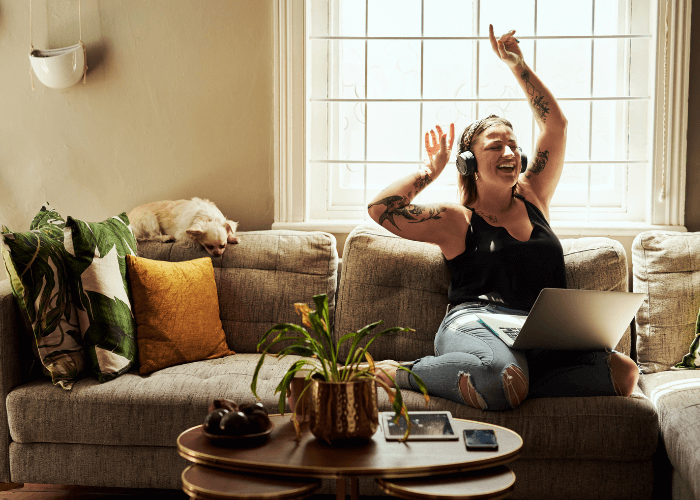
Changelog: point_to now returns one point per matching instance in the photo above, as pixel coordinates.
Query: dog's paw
(232, 239)
(166, 238)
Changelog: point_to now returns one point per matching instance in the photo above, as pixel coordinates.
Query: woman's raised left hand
(439, 147)
(506, 47)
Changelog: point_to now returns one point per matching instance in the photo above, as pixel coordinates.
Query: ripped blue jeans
(465, 347)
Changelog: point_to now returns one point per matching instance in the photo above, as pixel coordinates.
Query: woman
(501, 252)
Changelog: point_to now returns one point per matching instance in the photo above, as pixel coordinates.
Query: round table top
(282, 454)
(206, 483)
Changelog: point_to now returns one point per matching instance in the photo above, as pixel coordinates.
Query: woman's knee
(511, 391)
(624, 373)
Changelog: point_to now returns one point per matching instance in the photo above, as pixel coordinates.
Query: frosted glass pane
(495, 77)
(555, 17)
(346, 140)
(506, 15)
(608, 132)
(394, 18)
(337, 69)
(608, 184)
(577, 132)
(380, 176)
(351, 19)
(608, 68)
(460, 12)
(393, 130)
(393, 69)
(448, 69)
(572, 187)
(565, 66)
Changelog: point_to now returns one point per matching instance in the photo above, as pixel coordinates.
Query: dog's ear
(231, 231)
(195, 231)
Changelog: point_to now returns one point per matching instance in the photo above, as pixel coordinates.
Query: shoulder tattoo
(539, 163)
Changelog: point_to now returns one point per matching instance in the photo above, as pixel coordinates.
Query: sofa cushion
(676, 395)
(177, 312)
(139, 410)
(405, 283)
(666, 267)
(96, 256)
(36, 264)
(588, 428)
(259, 279)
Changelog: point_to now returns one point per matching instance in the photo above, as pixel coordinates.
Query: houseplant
(321, 366)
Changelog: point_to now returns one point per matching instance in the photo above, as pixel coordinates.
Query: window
(376, 74)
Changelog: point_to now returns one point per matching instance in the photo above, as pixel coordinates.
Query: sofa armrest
(10, 367)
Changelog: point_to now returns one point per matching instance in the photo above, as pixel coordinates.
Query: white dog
(188, 222)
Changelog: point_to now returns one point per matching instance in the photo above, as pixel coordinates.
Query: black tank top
(500, 269)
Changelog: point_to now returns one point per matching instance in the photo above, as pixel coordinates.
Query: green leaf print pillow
(97, 258)
(692, 359)
(36, 264)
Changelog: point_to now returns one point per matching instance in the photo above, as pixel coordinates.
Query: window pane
(495, 78)
(394, 18)
(351, 18)
(572, 187)
(459, 12)
(578, 113)
(555, 17)
(393, 69)
(343, 142)
(565, 66)
(608, 187)
(393, 131)
(608, 133)
(443, 113)
(448, 69)
(507, 15)
(609, 69)
(337, 69)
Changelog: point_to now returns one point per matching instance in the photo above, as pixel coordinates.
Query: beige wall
(178, 103)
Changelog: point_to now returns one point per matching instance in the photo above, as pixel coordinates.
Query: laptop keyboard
(511, 332)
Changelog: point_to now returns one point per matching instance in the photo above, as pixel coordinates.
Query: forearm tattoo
(539, 105)
(422, 182)
(399, 206)
(539, 163)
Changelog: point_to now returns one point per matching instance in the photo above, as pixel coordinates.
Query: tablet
(425, 425)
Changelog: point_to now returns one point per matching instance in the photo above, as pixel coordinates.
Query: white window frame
(668, 176)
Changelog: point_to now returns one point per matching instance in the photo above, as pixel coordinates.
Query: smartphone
(480, 439)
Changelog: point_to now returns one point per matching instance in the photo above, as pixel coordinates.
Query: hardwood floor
(62, 492)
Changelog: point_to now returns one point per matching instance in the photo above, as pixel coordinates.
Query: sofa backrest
(404, 283)
(666, 267)
(259, 279)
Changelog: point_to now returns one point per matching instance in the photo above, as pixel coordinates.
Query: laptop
(568, 319)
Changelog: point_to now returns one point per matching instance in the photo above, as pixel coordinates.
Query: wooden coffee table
(282, 455)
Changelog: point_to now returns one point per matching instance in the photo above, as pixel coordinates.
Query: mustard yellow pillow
(177, 312)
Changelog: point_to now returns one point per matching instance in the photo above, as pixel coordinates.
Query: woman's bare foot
(385, 369)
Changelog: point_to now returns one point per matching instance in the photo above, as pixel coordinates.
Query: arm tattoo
(422, 182)
(399, 206)
(539, 105)
(540, 162)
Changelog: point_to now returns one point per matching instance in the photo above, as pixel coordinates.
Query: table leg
(354, 488)
(340, 488)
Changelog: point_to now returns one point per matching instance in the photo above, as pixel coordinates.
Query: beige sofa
(122, 433)
(666, 268)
